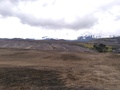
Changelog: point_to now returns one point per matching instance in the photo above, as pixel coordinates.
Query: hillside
(108, 41)
(27, 64)
(60, 45)
(113, 42)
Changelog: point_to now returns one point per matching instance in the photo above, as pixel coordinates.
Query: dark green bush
(100, 48)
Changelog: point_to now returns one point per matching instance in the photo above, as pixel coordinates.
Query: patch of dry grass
(70, 57)
(55, 70)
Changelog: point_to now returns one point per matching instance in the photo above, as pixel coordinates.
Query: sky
(59, 19)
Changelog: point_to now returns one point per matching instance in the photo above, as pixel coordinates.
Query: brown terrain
(70, 68)
(59, 45)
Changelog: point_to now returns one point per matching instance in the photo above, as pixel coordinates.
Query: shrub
(100, 47)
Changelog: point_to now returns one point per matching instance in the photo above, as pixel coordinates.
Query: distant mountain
(86, 38)
(89, 37)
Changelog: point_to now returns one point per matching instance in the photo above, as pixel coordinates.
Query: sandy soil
(22, 69)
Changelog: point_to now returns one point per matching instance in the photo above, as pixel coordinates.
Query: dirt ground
(22, 69)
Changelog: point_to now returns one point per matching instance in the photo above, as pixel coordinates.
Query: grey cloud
(80, 23)
(84, 22)
(7, 7)
(52, 3)
(117, 18)
(17, 1)
(6, 12)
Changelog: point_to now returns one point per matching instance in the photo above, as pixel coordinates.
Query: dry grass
(54, 70)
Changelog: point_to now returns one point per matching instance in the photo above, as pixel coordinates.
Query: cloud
(59, 14)
(108, 6)
(86, 21)
(112, 8)
(5, 8)
(59, 18)
(12, 10)
(117, 18)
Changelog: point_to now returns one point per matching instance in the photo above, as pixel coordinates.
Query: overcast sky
(62, 19)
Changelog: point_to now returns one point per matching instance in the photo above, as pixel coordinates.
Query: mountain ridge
(60, 45)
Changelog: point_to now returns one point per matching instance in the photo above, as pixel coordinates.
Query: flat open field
(22, 69)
